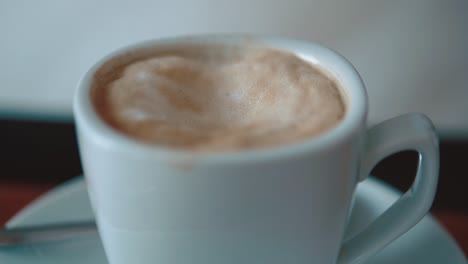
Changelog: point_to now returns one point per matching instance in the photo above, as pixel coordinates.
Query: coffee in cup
(217, 97)
(284, 195)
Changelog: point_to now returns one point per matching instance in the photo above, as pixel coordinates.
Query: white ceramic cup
(287, 204)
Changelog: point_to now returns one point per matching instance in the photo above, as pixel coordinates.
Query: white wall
(413, 55)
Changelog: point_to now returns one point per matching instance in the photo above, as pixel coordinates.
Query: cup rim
(87, 120)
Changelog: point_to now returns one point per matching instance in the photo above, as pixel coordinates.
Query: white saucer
(426, 243)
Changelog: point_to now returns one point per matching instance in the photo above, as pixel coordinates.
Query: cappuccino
(217, 97)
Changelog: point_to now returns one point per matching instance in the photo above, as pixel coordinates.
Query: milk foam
(218, 97)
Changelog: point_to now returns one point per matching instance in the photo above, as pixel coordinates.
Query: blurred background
(412, 55)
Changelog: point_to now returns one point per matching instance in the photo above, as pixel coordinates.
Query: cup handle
(406, 132)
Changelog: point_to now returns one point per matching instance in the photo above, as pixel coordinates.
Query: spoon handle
(45, 233)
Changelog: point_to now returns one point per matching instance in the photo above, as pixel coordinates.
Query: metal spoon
(45, 233)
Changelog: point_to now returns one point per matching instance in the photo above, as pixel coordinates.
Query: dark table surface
(38, 155)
